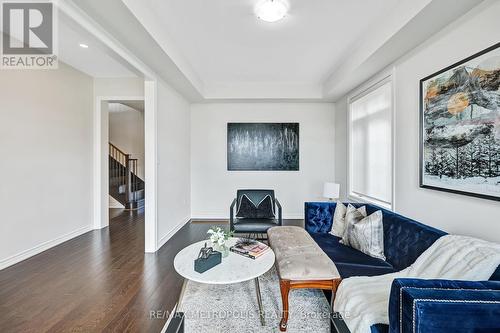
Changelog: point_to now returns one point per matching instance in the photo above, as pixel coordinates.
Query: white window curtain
(370, 124)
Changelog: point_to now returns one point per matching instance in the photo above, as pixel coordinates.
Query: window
(370, 145)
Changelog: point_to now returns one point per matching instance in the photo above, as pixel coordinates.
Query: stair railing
(132, 184)
(127, 173)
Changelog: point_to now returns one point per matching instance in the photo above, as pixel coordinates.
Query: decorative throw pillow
(338, 220)
(338, 227)
(365, 234)
(263, 210)
(352, 215)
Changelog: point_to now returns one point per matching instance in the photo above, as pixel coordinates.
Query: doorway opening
(126, 155)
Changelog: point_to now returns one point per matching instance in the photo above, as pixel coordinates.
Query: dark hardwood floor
(101, 281)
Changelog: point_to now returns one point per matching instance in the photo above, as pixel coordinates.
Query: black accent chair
(255, 213)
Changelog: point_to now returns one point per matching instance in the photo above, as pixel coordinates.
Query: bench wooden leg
(334, 290)
(285, 289)
(287, 285)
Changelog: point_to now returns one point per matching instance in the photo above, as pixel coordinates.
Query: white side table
(234, 268)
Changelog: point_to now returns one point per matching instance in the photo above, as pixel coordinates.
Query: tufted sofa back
(319, 216)
(404, 238)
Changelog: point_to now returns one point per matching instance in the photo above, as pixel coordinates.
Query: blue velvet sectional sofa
(404, 241)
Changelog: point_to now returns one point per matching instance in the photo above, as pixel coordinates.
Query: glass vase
(222, 249)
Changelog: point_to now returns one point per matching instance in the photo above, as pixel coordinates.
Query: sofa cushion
(351, 262)
(350, 269)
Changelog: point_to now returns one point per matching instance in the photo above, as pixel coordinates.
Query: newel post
(128, 179)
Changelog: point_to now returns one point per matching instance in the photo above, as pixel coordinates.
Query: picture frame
(263, 147)
(459, 122)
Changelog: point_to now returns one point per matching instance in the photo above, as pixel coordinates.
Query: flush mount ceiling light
(84, 46)
(271, 10)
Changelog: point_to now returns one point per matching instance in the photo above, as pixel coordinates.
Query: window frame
(363, 90)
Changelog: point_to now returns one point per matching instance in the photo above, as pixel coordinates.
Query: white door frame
(100, 165)
(150, 112)
(150, 166)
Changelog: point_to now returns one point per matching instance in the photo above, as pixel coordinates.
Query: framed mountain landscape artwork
(460, 127)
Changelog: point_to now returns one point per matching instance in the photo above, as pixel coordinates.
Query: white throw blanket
(364, 301)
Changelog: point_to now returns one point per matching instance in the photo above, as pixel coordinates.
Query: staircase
(124, 184)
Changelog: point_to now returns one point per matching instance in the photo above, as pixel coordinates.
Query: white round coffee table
(234, 268)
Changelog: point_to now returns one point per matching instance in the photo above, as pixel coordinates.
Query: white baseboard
(4, 263)
(172, 232)
(293, 217)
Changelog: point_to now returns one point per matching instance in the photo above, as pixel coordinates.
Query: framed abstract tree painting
(460, 127)
(263, 146)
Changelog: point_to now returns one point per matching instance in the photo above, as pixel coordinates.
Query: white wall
(173, 133)
(453, 213)
(126, 131)
(213, 187)
(119, 87)
(46, 151)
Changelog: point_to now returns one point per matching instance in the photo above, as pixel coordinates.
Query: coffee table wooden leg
(259, 301)
(285, 289)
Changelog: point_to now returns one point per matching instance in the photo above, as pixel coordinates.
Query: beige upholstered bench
(301, 263)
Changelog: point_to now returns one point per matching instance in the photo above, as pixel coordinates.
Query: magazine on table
(249, 248)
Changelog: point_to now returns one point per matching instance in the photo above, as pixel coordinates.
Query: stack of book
(249, 248)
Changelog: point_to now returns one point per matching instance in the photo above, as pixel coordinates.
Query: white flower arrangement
(218, 235)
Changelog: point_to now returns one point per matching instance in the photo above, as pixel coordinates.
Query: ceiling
(97, 60)
(217, 50)
(225, 43)
(227, 47)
